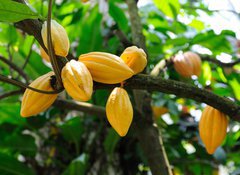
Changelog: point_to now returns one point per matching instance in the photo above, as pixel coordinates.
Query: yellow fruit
(119, 111)
(105, 67)
(77, 80)
(135, 58)
(159, 110)
(195, 61)
(60, 39)
(212, 128)
(35, 102)
(187, 64)
(44, 55)
(183, 66)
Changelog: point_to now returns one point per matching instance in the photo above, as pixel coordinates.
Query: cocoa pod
(195, 61)
(77, 80)
(183, 66)
(60, 39)
(187, 64)
(135, 58)
(35, 102)
(105, 67)
(212, 128)
(119, 111)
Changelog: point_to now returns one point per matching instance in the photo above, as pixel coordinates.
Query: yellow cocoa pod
(212, 128)
(44, 55)
(183, 66)
(77, 80)
(119, 111)
(195, 61)
(105, 67)
(35, 102)
(60, 39)
(135, 58)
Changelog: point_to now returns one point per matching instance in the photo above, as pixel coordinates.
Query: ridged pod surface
(135, 58)
(196, 62)
(212, 128)
(35, 102)
(44, 55)
(105, 67)
(183, 66)
(77, 80)
(60, 39)
(119, 111)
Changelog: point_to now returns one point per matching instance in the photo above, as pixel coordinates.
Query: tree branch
(219, 63)
(15, 67)
(81, 106)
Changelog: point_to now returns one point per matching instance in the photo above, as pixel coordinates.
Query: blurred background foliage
(65, 142)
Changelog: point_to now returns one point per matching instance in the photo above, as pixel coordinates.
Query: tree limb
(145, 128)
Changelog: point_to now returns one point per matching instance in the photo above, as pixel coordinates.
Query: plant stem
(53, 60)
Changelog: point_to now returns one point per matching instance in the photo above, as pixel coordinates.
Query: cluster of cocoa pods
(78, 76)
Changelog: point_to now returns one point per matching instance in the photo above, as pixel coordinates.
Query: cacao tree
(117, 87)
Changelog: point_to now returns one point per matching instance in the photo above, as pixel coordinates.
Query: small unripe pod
(60, 39)
(77, 80)
(212, 128)
(44, 55)
(135, 58)
(187, 64)
(119, 111)
(196, 62)
(105, 67)
(35, 102)
(183, 66)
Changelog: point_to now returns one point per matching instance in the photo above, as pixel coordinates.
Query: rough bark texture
(147, 131)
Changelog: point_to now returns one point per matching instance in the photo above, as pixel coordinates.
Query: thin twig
(219, 63)
(28, 57)
(10, 59)
(53, 60)
(22, 85)
(10, 93)
(15, 67)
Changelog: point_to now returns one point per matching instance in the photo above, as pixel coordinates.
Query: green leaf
(111, 141)
(21, 143)
(11, 11)
(234, 83)
(72, 129)
(119, 16)
(169, 7)
(197, 24)
(11, 166)
(10, 113)
(78, 166)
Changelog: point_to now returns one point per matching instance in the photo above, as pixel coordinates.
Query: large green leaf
(25, 144)
(11, 11)
(78, 166)
(119, 16)
(72, 129)
(10, 113)
(169, 7)
(11, 166)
